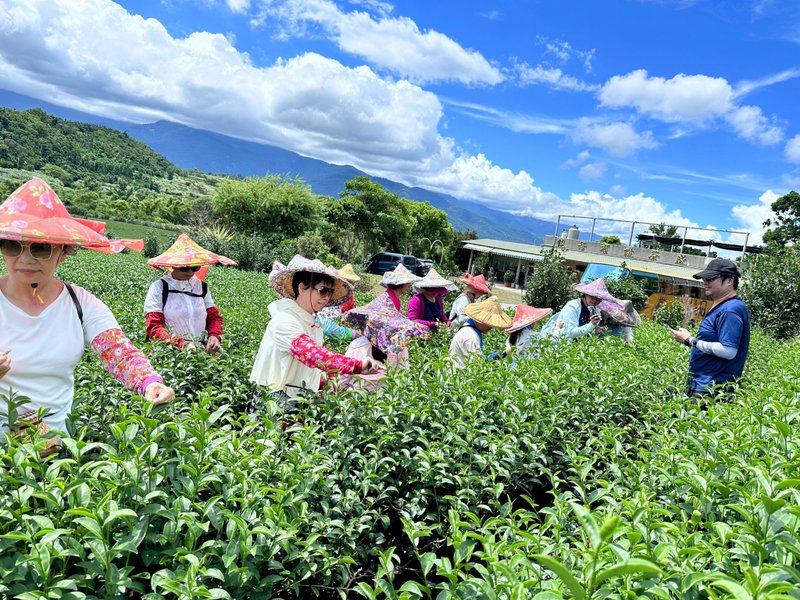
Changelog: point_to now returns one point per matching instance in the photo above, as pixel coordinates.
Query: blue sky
(680, 111)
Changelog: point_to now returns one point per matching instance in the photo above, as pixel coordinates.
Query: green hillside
(98, 171)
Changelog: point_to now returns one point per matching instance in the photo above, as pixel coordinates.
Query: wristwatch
(690, 341)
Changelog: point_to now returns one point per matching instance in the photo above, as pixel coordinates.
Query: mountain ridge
(190, 148)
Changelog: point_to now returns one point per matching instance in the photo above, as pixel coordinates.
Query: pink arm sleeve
(311, 354)
(124, 361)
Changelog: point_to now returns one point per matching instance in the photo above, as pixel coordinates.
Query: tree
(389, 222)
(550, 283)
(771, 290)
(610, 239)
(269, 204)
(786, 222)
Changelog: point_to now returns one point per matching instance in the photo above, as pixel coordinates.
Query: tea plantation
(579, 474)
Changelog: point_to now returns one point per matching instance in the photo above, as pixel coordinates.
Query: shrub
(508, 277)
(549, 284)
(151, 246)
(671, 314)
(771, 290)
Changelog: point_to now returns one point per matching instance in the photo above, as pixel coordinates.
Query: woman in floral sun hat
(179, 309)
(291, 358)
(581, 317)
(427, 306)
(45, 323)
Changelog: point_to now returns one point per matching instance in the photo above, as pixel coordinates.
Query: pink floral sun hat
(598, 289)
(281, 278)
(185, 252)
(435, 283)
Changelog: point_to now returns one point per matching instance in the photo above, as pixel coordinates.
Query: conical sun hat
(399, 276)
(185, 252)
(488, 312)
(281, 278)
(34, 212)
(622, 314)
(349, 273)
(596, 289)
(433, 280)
(527, 315)
(477, 283)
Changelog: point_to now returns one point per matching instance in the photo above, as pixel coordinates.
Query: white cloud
(696, 100)
(618, 190)
(562, 52)
(376, 6)
(96, 57)
(553, 77)
(238, 6)
(751, 124)
(593, 170)
(751, 217)
(392, 43)
(745, 87)
(619, 138)
(578, 160)
(492, 15)
(477, 178)
(792, 150)
(637, 207)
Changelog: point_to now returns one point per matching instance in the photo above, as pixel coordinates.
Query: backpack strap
(77, 304)
(166, 291)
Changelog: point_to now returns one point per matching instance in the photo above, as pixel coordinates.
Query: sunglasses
(710, 279)
(187, 269)
(325, 291)
(38, 250)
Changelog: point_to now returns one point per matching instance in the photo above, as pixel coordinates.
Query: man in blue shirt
(720, 348)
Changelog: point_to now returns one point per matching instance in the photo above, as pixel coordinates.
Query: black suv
(387, 261)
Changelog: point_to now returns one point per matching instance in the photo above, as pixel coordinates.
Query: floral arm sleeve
(311, 354)
(124, 361)
(157, 330)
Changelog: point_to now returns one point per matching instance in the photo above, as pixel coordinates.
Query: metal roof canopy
(532, 252)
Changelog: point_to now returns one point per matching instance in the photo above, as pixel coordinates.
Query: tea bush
(580, 472)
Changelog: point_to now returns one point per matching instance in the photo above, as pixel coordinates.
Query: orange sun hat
(185, 252)
(34, 212)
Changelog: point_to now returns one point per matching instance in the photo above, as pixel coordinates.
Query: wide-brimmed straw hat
(434, 281)
(400, 276)
(596, 289)
(349, 273)
(488, 312)
(527, 315)
(185, 252)
(281, 278)
(34, 212)
(477, 283)
(624, 314)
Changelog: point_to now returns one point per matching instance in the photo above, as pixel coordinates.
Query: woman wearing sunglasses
(45, 323)
(291, 358)
(179, 309)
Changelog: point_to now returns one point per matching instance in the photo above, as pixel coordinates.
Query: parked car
(386, 261)
(424, 266)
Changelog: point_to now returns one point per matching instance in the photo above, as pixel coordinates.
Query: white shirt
(184, 315)
(275, 367)
(459, 304)
(464, 343)
(45, 350)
